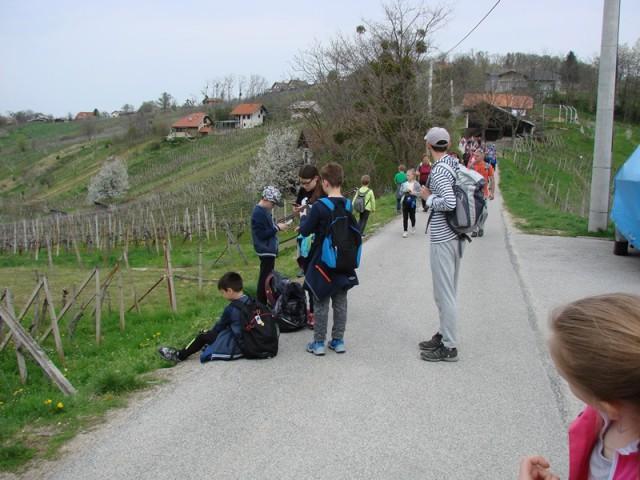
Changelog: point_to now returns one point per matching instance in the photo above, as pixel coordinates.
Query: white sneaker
(404, 235)
(413, 232)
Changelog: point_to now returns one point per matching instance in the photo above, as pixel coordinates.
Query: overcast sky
(61, 56)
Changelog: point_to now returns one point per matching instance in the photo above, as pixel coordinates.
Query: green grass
(547, 187)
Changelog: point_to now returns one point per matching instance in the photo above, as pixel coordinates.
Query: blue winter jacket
(226, 346)
(264, 232)
(322, 280)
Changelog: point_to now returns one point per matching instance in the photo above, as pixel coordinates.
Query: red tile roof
(246, 109)
(504, 100)
(190, 121)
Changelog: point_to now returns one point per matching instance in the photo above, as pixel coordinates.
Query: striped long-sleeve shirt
(442, 198)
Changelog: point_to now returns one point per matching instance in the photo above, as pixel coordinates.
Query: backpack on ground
(342, 244)
(470, 203)
(259, 330)
(359, 204)
(287, 300)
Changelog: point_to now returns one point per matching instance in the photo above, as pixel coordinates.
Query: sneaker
(434, 343)
(413, 232)
(317, 348)
(169, 354)
(474, 234)
(337, 345)
(311, 320)
(404, 235)
(440, 354)
(300, 273)
(480, 232)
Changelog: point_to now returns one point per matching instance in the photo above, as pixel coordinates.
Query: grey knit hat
(273, 195)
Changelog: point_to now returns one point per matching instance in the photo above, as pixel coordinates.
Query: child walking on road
(410, 191)
(595, 345)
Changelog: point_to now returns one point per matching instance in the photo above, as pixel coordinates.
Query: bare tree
(164, 101)
(370, 83)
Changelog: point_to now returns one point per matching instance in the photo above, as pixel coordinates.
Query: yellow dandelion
(60, 405)
(48, 401)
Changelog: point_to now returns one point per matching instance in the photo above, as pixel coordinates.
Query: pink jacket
(583, 435)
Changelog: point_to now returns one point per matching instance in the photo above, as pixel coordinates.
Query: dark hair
(437, 148)
(230, 280)
(333, 173)
(308, 172)
(366, 180)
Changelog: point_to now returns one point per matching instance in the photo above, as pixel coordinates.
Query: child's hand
(535, 468)
(424, 192)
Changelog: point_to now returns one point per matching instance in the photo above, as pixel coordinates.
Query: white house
(249, 115)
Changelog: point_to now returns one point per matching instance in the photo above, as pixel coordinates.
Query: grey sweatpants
(445, 267)
(321, 313)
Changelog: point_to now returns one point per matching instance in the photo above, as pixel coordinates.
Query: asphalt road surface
(378, 411)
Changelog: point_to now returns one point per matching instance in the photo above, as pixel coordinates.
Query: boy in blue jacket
(224, 337)
(264, 232)
(326, 284)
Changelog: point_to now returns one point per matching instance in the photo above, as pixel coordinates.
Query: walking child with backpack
(233, 336)
(364, 203)
(410, 192)
(333, 258)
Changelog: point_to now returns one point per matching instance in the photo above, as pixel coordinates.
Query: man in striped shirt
(446, 248)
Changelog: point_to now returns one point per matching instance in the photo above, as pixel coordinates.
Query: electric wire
(477, 25)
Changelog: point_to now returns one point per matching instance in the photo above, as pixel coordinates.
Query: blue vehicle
(626, 205)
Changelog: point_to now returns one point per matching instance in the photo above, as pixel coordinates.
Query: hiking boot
(405, 235)
(434, 343)
(474, 234)
(440, 354)
(480, 232)
(311, 320)
(317, 348)
(169, 354)
(337, 345)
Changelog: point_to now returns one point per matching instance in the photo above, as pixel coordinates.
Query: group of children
(594, 343)
(325, 287)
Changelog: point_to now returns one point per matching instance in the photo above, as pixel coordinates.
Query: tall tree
(570, 72)
(164, 101)
(372, 84)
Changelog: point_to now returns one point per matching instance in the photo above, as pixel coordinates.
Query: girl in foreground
(595, 345)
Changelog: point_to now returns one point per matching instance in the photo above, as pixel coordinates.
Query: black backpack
(287, 300)
(259, 330)
(342, 244)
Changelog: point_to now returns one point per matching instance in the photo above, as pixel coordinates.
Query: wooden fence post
(172, 293)
(98, 308)
(34, 349)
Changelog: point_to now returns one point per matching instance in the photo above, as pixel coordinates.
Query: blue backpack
(342, 244)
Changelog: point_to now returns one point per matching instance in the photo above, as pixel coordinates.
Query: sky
(65, 56)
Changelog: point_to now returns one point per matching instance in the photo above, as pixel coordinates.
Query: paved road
(378, 411)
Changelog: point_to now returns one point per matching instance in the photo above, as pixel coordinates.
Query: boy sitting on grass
(224, 336)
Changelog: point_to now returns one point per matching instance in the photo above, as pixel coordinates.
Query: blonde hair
(596, 345)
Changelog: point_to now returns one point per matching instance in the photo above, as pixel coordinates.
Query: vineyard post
(53, 318)
(98, 307)
(22, 366)
(120, 296)
(200, 265)
(172, 293)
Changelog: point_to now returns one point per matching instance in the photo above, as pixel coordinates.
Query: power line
(478, 24)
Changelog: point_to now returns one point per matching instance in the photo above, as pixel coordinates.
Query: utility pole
(601, 170)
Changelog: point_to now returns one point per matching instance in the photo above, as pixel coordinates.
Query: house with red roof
(192, 126)
(249, 115)
(84, 116)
